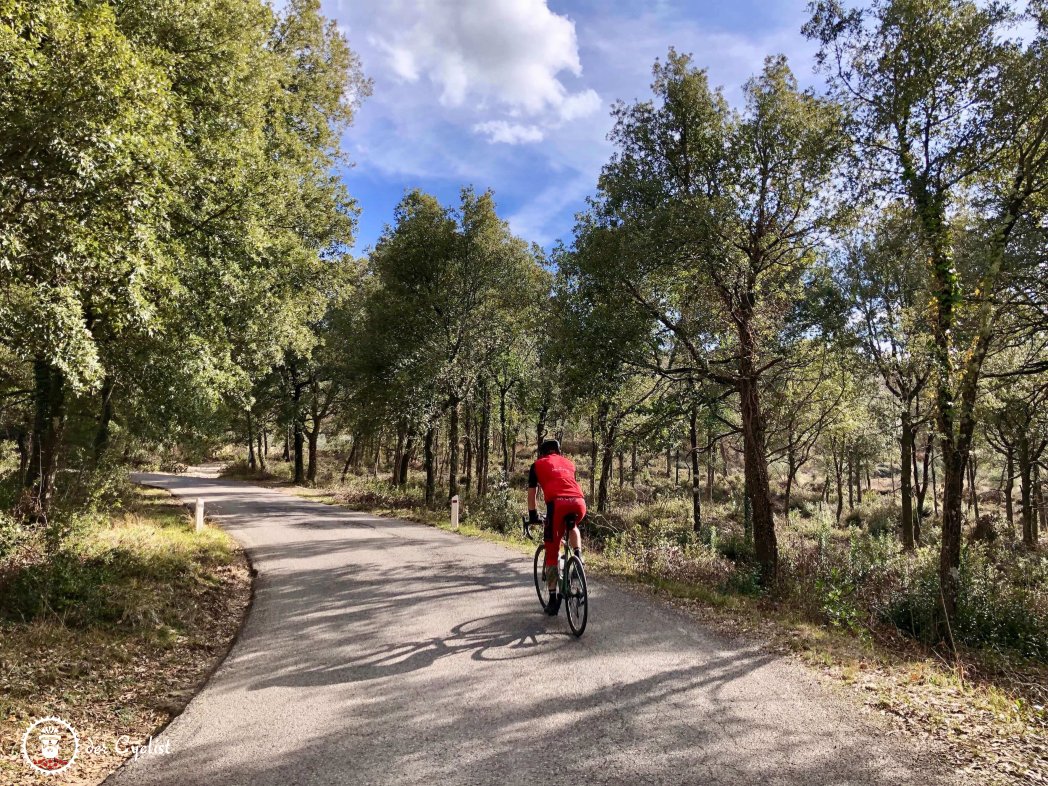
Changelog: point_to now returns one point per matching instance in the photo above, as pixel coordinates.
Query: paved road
(383, 652)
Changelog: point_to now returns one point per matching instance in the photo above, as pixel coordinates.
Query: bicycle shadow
(499, 637)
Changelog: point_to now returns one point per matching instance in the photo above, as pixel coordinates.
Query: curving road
(383, 652)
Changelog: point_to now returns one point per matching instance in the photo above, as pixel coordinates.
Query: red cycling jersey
(556, 475)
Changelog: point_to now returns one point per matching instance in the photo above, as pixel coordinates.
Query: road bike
(571, 578)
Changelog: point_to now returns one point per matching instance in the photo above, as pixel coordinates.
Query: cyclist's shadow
(509, 636)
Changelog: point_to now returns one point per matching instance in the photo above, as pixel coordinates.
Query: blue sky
(514, 95)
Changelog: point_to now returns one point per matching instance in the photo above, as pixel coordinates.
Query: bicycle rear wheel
(577, 599)
(540, 584)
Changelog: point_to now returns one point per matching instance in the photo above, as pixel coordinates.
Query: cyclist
(555, 474)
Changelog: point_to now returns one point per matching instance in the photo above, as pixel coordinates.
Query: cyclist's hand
(533, 517)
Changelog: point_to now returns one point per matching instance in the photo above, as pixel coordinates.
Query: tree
(887, 283)
(717, 216)
(443, 297)
(949, 111)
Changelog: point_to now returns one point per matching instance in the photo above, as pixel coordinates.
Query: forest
(795, 344)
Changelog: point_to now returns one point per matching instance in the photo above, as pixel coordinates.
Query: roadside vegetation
(115, 628)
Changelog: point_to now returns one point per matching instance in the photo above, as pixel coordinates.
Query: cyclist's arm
(533, 484)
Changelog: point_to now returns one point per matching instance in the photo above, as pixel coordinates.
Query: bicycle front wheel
(541, 587)
(576, 599)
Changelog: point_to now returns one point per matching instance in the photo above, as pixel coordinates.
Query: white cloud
(495, 57)
(509, 133)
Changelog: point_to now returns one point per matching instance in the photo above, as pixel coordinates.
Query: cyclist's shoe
(553, 607)
(578, 556)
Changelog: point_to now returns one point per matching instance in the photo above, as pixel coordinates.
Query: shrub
(1002, 604)
(498, 510)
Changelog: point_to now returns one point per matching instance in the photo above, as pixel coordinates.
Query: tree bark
(756, 465)
(1009, 489)
(593, 458)
(973, 483)
(453, 448)
(405, 459)
(398, 456)
(467, 458)
(251, 463)
(503, 437)
(48, 426)
(431, 470)
(484, 443)
(105, 418)
(696, 487)
(906, 482)
(1026, 491)
(607, 430)
(313, 437)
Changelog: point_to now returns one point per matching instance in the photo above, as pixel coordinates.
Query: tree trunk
(606, 430)
(48, 427)
(858, 480)
(954, 460)
(405, 460)
(838, 469)
(467, 458)
(791, 473)
(973, 483)
(593, 458)
(105, 418)
(503, 436)
(935, 482)
(299, 444)
(756, 466)
(540, 424)
(696, 487)
(484, 443)
(398, 456)
(906, 482)
(286, 455)
(431, 470)
(710, 473)
(453, 448)
(1009, 489)
(633, 465)
(1041, 514)
(314, 458)
(851, 487)
(1026, 491)
(251, 463)
(260, 445)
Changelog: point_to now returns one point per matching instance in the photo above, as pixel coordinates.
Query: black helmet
(549, 446)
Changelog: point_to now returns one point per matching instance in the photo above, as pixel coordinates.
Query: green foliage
(499, 510)
(125, 572)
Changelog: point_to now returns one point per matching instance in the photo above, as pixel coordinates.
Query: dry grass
(174, 600)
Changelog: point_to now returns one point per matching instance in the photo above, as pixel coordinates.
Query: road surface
(383, 652)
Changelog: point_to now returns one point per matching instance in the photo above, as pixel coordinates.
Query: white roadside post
(199, 515)
(455, 512)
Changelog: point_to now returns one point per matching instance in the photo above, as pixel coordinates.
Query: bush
(498, 510)
(1002, 604)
